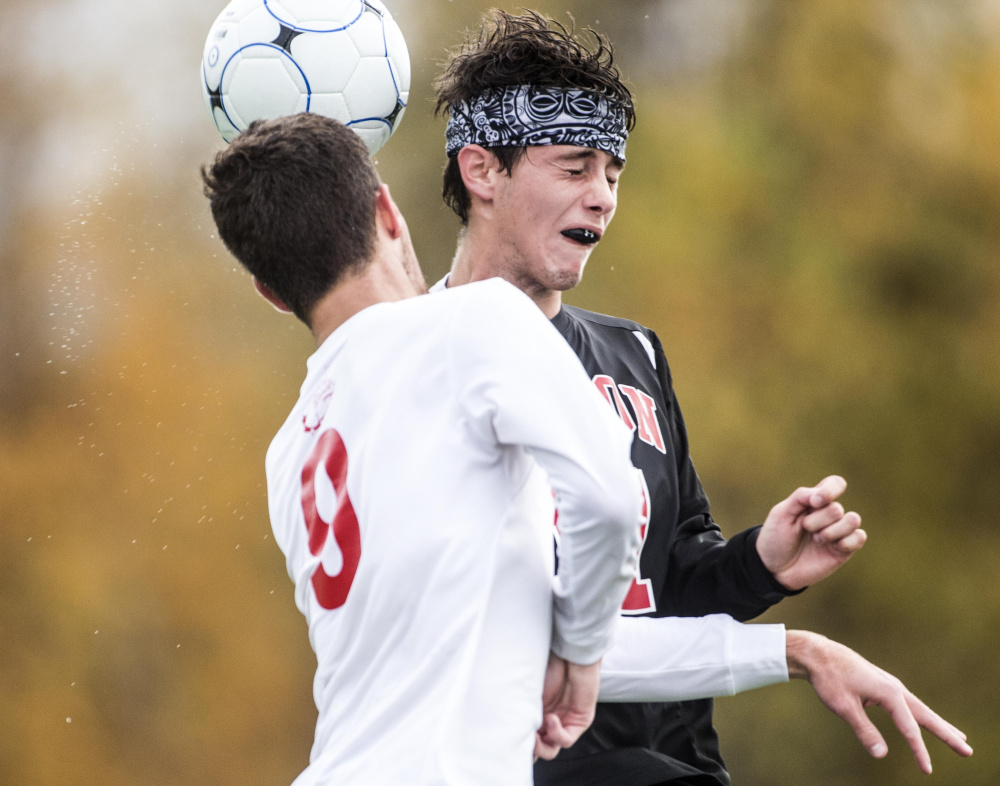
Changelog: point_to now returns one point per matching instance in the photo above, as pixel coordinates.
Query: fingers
(832, 525)
(899, 710)
(867, 734)
(910, 714)
(824, 517)
(552, 737)
(852, 542)
(827, 491)
(836, 530)
(818, 496)
(568, 703)
(543, 750)
(954, 738)
(847, 683)
(823, 493)
(576, 711)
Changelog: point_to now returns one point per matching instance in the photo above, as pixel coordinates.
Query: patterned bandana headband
(524, 115)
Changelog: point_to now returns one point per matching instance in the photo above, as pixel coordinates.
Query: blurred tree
(20, 125)
(807, 219)
(821, 262)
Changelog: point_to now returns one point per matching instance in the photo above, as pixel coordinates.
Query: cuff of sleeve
(762, 581)
(575, 653)
(758, 656)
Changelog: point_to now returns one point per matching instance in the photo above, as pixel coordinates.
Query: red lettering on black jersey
(642, 404)
(645, 413)
(330, 453)
(609, 389)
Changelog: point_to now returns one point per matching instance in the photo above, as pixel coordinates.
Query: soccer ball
(345, 59)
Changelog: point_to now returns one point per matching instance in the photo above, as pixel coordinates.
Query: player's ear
(479, 168)
(387, 214)
(265, 292)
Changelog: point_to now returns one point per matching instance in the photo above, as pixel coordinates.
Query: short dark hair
(294, 202)
(525, 49)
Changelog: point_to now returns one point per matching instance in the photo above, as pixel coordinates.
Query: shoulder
(606, 321)
(491, 290)
(487, 305)
(479, 302)
(620, 332)
(493, 319)
(495, 290)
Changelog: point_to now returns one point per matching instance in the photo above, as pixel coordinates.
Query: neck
(480, 256)
(379, 282)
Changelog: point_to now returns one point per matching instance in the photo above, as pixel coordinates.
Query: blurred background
(810, 219)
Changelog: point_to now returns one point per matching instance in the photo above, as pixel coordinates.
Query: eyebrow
(587, 152)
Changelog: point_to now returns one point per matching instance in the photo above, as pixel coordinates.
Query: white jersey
(402, 491)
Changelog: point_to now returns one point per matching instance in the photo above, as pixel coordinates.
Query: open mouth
(585, 236)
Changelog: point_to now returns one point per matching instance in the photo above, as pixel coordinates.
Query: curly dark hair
(294, 201)
(525, 49)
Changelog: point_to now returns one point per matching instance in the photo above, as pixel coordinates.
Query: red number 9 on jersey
(330, 453)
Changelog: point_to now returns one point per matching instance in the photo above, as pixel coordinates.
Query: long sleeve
(681, 658)
(522, 386)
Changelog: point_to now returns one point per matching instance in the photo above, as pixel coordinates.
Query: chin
(567, 277)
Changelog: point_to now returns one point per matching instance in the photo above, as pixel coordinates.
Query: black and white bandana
(524, 115)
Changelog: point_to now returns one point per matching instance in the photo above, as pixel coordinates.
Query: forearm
(676, 659)
(709, 575)
(598, 518)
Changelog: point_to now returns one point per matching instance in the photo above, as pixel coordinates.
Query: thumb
(798, 502)
(553, 733)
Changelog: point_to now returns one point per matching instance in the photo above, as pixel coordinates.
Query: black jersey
(686, 568)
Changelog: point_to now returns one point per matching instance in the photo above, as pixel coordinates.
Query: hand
(569, 699)
(847, 683)
(808, 536)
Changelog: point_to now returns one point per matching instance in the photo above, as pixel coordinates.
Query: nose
(601, 198)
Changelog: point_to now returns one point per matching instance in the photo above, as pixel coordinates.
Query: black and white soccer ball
(345, 59)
